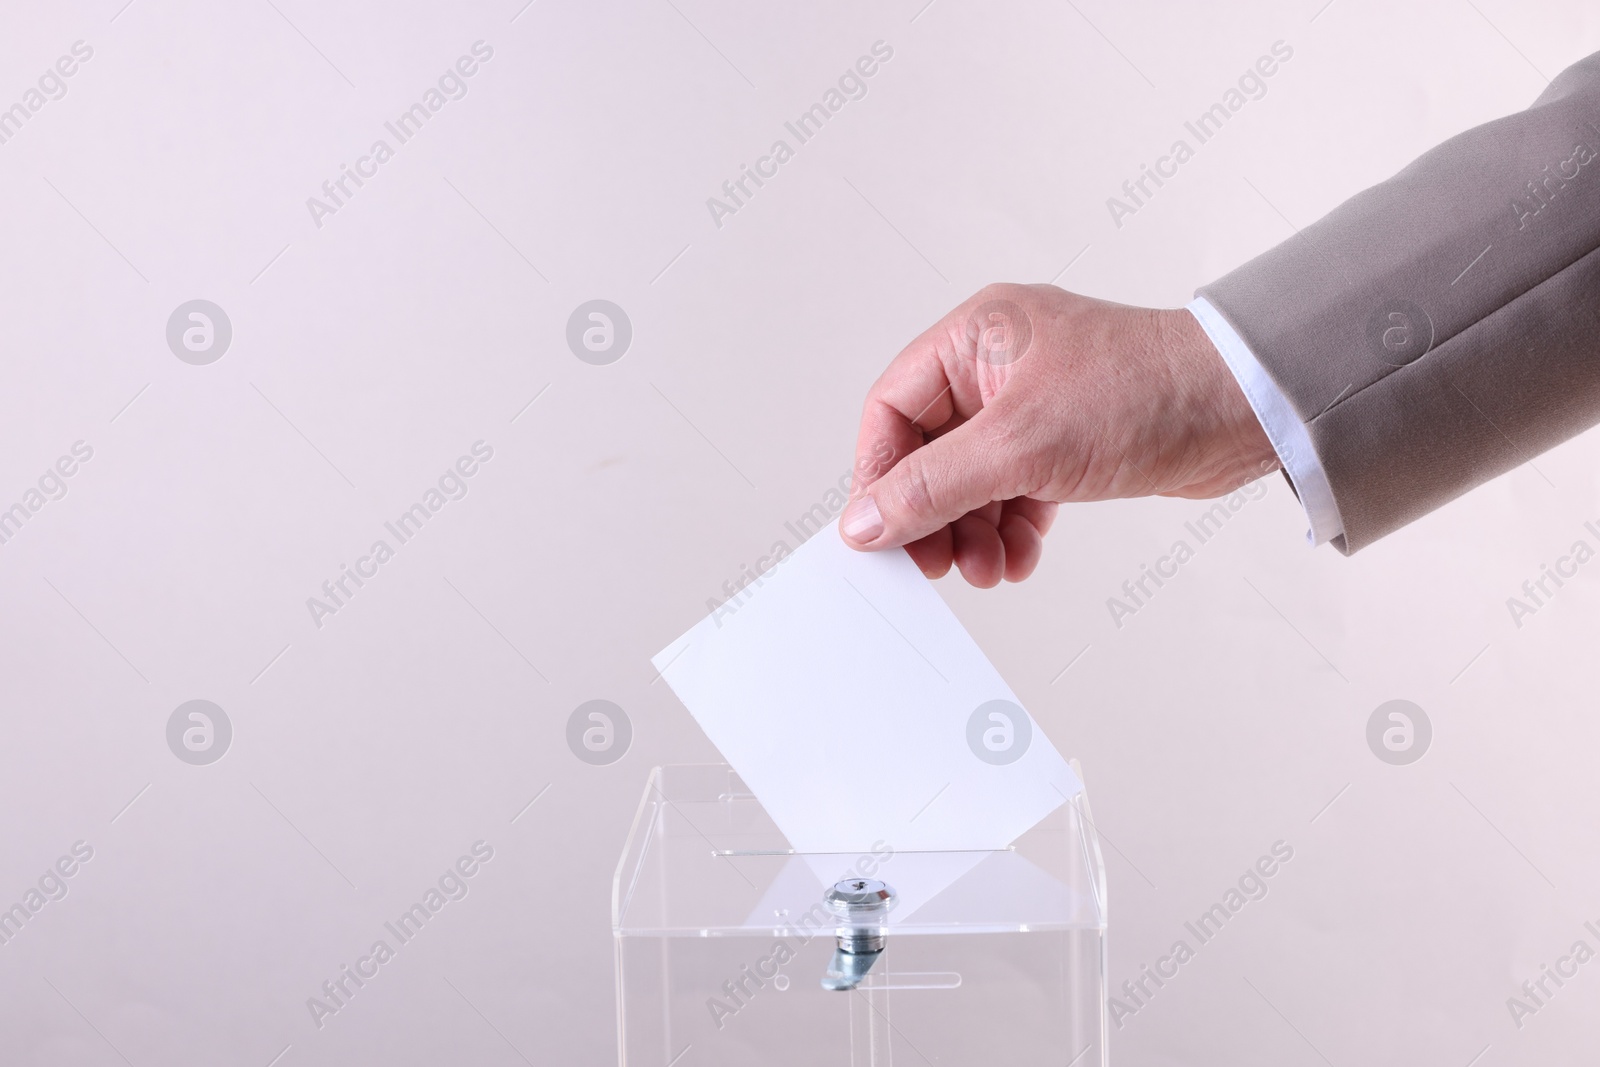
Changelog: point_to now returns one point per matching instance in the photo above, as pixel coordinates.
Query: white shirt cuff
(1283, 427)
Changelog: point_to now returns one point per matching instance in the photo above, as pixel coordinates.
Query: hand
(1025, 397)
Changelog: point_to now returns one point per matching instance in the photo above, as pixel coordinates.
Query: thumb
(931, 488)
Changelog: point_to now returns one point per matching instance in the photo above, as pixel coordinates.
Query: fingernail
(861, 521)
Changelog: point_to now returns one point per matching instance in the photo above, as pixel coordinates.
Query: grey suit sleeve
(1443, 327)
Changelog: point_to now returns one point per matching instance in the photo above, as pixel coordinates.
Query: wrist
(1211, 405)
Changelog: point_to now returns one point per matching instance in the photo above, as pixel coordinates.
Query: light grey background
(369, 354)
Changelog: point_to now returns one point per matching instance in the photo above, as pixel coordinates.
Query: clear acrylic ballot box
(733, 949)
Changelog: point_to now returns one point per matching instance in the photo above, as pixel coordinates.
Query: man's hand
(1027, 396)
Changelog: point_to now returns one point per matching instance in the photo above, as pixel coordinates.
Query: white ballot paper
(860, 712)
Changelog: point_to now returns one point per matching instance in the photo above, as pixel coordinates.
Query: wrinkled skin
(1104, 401)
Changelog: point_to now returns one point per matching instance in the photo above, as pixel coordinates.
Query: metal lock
(861, 904)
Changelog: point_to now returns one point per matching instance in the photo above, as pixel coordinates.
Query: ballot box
(734, 949)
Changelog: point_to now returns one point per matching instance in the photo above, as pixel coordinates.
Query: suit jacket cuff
(1283, 427)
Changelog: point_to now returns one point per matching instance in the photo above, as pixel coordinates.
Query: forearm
(1440, 328)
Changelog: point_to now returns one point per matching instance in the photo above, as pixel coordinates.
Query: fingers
(979, 551)
(930, 475)
(916, 397)
(930, 488)
(993, 543)
(1041, 513)
(934, 553)
(1023, 545)
(912, 396)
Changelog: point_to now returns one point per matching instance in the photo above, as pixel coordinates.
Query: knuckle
(1017, 451)
(913, 491)
(1006, 432)
(1004, 291)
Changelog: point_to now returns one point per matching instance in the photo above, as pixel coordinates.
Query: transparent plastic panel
(723, 939)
